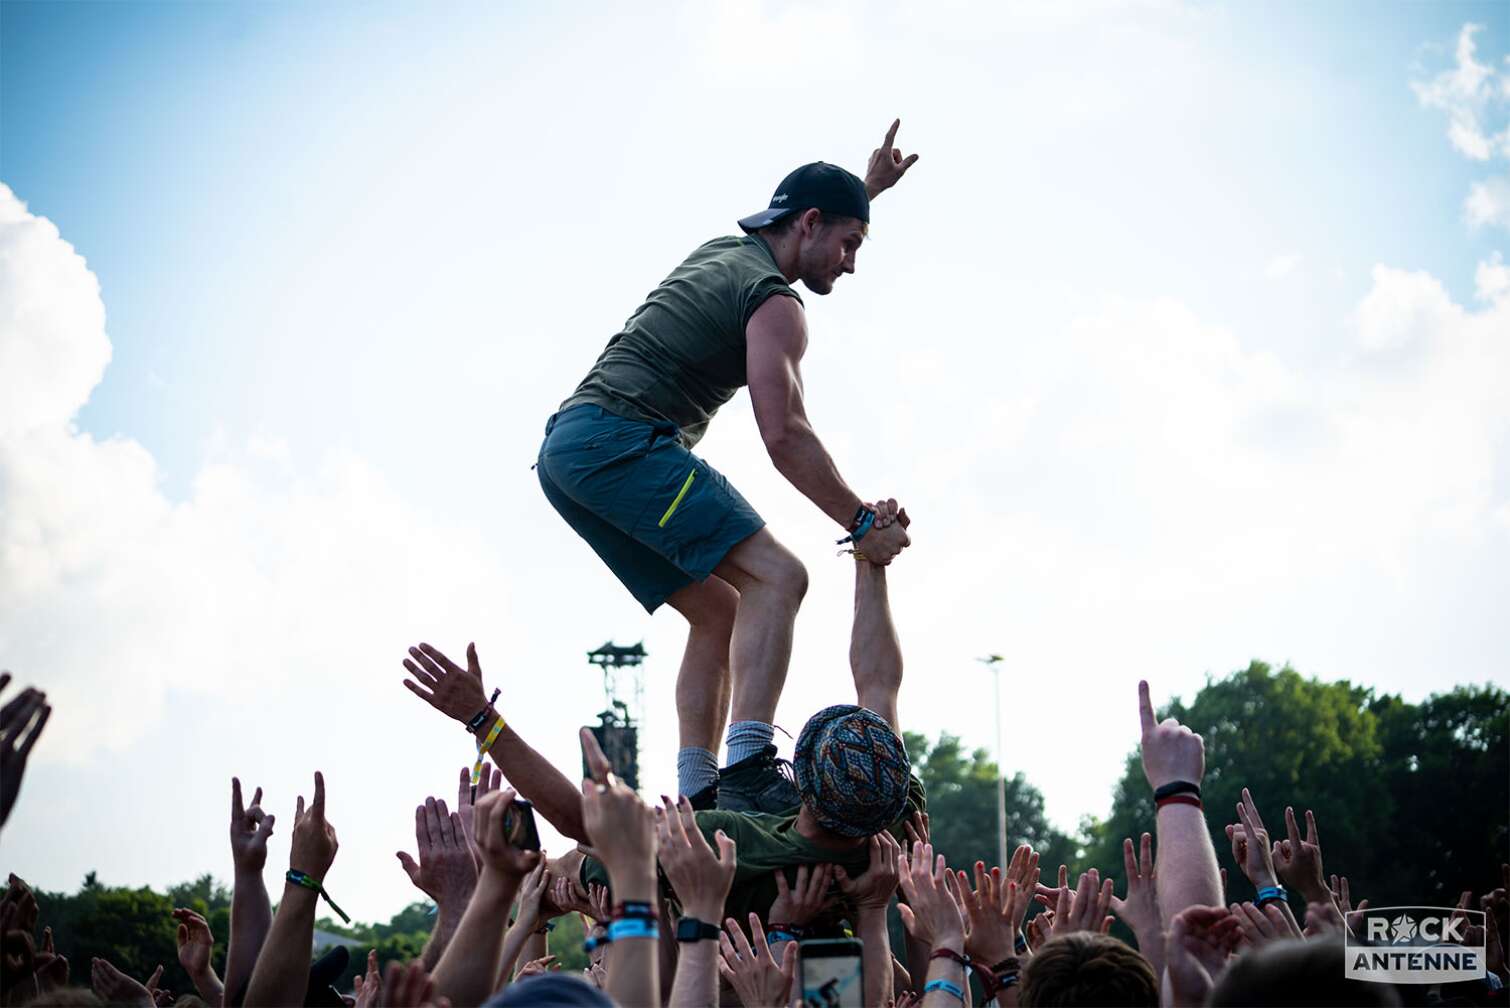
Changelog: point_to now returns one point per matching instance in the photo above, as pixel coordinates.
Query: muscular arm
(533, 776)
(776, 337)
(875, 652)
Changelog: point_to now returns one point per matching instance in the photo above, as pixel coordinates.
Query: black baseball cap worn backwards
(818, 185)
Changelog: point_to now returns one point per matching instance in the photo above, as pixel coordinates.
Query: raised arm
(875, 652)
(468, 969)
(776, 339)
(457, 693)
(282, 973)
(1186, 871)
(251, 913)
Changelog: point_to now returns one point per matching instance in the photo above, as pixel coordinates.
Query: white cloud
(1282, 266)
(87, 538)
(53, 318)
(1466, 93)
(1491, 280)
(1488, 202)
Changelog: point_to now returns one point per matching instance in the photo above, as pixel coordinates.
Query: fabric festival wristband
(1179, 799)
(946, 987)
(860, 528)
(1271, 894)
(482, 748)
(945, 953)
(1176, 787)
(776, 937)
(634, 908)
(481, 717)
(633, 927)
(304, 881)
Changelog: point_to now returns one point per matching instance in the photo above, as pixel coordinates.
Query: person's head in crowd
(1296, 973)
(1084, 968)
(852, 771)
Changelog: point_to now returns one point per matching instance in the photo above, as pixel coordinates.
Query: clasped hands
(888, 534)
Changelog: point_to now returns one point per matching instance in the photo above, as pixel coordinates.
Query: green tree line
(1412, 802)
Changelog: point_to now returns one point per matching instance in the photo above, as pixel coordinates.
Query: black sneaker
(706, 799)
(759, 783)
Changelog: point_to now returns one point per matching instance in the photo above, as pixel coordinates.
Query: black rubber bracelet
(1176, 787)
(477, 721)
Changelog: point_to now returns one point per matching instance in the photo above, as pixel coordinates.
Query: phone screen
(519, 825)
(832, 973)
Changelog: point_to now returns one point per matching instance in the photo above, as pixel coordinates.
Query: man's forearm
(875, 652)
(876, 959)
(468, 968)
(557, 800)
(447, 920)
(251, 917)
(801, 458)
(696, 983)
(281, 976)
(1187, 871)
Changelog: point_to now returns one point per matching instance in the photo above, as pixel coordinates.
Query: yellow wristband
(484, 746)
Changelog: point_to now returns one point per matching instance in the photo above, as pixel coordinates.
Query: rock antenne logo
(1402, 929)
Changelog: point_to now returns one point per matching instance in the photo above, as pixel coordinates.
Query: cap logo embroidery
(779, 199)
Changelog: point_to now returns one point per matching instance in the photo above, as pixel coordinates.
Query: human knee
(789, 577)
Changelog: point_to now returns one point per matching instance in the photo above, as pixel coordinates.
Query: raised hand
(916, 828)
(750, 969)
(886, 166)
(1084, 908)
(195, 944)
(531, 892)
(700, 878)
(568, 895)
(800, 901)
(1140, 910)
(535, 967)
(51, 969)
(409, 987)
(995, 909)
(620, 826)
(1260, 926)
(873, 889)
(1200, 939)
(367, 988)
(454, 691)
(313, 847)
(1298, 862)
(884, 542)
(250, 829)
(498, 855)
(116, 988)
(489, 781)
(1322, 917)
(21, 722)
(1171, 752)
(1250, 844)
(445, 871)
(931, 914)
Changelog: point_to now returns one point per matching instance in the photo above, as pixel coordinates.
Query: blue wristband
(862, 526)
(772, 937)
(1271, 894)
(633, 927)
(946, 986)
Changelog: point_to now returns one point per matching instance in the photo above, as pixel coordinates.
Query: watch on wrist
(690, 929)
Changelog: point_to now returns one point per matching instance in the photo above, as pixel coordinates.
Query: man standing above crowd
(617, 464)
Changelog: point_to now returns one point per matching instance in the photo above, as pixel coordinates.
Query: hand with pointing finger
(887, 166)
(1171, 752)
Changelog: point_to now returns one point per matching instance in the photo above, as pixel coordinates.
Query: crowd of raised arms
(700, 907)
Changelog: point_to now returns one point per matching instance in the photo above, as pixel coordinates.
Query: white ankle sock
(746, 738)
(695, 769)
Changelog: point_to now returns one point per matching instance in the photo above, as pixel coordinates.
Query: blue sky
(1178, 338)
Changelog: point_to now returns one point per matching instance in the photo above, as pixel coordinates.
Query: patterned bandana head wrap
(852, 770)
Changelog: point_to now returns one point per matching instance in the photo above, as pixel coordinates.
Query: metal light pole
(993, 662)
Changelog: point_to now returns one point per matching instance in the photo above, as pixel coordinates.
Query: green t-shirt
(766, 843)
(681, 355)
